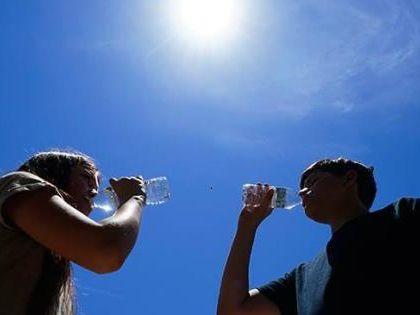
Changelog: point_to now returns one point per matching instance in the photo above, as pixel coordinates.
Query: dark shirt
(370, 266)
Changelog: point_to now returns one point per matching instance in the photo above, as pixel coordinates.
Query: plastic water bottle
(283, 197)
(157, 192)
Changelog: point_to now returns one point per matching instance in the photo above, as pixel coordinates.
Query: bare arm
(101, 247)
(235, 297)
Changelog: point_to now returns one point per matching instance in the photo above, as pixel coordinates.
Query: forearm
(235, 282)
(122, 228)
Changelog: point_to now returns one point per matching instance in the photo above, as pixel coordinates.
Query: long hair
(54, 292)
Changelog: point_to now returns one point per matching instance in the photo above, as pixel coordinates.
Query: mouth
(306, 198)
(309, 192)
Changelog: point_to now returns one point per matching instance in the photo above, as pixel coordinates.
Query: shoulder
(15, 183)
(19, 178)
(405, 207)
(301, 271)
(314, 268)
(284, 283)
(407, 203)
(282, 292)
(307, 279)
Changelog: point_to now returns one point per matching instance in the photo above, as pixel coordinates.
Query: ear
(350, 178)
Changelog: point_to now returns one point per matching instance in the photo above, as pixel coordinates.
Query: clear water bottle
(283, 197)
(157, 192)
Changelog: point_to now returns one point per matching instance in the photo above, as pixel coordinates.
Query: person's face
(82, 187)
(321, 195)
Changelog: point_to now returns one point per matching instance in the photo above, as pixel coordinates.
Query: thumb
(268, 198)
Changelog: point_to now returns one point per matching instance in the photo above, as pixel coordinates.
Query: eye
(89, 179)
(311, 182)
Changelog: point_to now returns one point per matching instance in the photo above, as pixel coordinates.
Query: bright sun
(207, 20)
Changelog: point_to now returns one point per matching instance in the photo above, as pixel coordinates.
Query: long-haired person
(45, 225)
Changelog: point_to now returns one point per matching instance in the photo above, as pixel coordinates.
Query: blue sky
(298, 81)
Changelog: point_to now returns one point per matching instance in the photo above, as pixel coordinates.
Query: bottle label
(280, 200)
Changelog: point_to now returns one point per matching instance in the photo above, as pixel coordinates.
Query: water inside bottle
(105, 200)
(157, 192)
(286, 198)
(283, 197)
(103, 207)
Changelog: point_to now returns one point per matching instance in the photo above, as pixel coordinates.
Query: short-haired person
(44, 225)
(370, 265)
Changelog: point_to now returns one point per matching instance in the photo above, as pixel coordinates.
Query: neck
(347, 212)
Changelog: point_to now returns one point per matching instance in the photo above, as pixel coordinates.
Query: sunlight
(207, 21)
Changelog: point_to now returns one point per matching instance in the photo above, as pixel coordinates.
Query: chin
(312, 214)
(307, 210)
(87, 212)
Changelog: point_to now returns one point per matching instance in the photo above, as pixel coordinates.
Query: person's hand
(258, 209)
(127, 187)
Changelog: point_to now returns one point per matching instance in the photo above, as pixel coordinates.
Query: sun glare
(207, 20)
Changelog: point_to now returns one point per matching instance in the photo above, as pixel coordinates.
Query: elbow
(109, 265)
(231, 308)
(110, 251)
(225, 310)
(221, 312)
(102, 265)
(107, 259)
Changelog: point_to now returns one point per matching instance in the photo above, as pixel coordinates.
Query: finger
(137, 179)
(268, 198)
(259, 194)
(250, 195)
(265, 189)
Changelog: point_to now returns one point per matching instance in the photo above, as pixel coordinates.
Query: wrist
(140, 199)
(247, 228)
(137, 201)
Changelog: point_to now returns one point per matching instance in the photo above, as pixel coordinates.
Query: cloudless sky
(295, 82)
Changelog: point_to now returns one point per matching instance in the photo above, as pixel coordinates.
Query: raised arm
(235, 297)
(101, 247)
